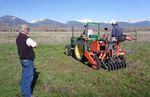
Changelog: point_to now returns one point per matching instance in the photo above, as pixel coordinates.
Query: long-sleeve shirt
(116, 31)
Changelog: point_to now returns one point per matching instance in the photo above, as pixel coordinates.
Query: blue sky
(67, 10)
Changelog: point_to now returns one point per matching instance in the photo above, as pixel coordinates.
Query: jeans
(27, 77)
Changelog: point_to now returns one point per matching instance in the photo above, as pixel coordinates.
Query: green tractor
(79, 44)
(93, 47)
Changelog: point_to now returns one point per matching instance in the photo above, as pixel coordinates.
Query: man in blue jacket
(116, 30)
(115, 34)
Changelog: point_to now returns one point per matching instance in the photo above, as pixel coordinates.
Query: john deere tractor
(97, 49)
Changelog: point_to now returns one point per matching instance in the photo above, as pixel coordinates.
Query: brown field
(59, 37)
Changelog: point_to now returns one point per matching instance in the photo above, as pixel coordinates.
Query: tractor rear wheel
(68, 50)
(98, 65)
(80, 48)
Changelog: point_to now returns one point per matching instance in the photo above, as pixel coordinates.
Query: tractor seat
(121, 38)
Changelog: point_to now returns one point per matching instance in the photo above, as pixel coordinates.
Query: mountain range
(11, 20)
(14, 21)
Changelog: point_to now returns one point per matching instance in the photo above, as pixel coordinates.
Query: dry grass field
(60, 37)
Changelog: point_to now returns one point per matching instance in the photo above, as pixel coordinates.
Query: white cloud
(86, 20)
(130, 20)
(136, 20)
(133, 20)
(38, 20)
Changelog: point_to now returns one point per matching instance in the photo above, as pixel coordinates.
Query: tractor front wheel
(68, 50)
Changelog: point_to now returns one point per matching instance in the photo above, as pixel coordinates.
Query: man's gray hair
(24, 26)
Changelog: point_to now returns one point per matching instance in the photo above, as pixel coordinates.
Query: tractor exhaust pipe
(72, 32)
